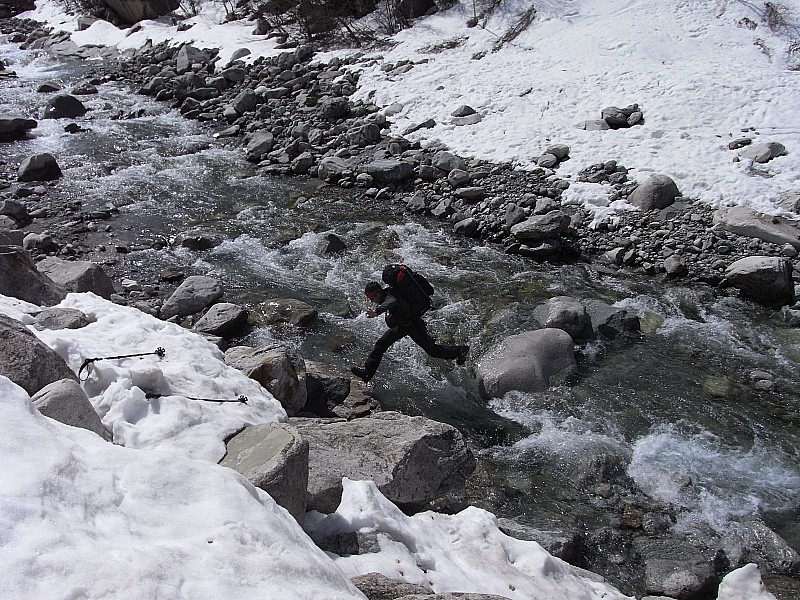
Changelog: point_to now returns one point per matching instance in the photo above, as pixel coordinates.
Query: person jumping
(401, 323)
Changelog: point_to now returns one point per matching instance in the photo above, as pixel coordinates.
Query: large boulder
(27, 361)
(291, 311)
(657, 192)
(750, 223)
(133, 11)
(78, 276)
(609, 322)
(410, 459)
(64, 106)
(529, 362)
(15, 127)
(765, 279)
(277, 368)
(193, 295)
(274, 458)
(19, 278)
(66, 402)
(39, 167)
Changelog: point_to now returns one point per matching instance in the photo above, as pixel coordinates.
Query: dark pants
(417, 331)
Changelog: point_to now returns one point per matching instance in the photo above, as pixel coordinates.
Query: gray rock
(765, 279)
(609, 321)
(541, 227)
(364, 135)
(39, 243)
(333, 168)
(457, 178)
(223, 319)
(66, 402)
(333, 393)
(27, 361)
(749, 223)
(675, 266)
(567, 313)
(187, 56)
(16, 210)
(468, 120)
(376, 586)
(277, 368)
(560, 151)
(471, 194)
(259, 144)
(596, 125)
(675, 569)
(463, 111)
(790, 201)
(39, 167)
(762, 153)
(11, 237)
(447, 161)
(193, 295)
(245, 101)
(284, 310)
(19, 278)
(390, 170)
(197, 239)
(659, 191)
(78, 276)
(410, 459)
(64, 106)
(467, 227)
(547, 160)
(15, 127)
(61, 318)
(274, 458)
(614, 116)
(335, 108)
(529, 362)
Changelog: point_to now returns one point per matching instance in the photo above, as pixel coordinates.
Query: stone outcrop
(274, 458)
(410, 459)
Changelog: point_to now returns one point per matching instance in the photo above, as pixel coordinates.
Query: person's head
(373, 291)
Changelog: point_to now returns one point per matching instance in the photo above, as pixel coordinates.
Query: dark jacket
(396, 310)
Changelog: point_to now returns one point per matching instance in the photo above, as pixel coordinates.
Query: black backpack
(411, 287)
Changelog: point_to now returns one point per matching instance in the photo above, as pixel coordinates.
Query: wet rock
(284, 311)
(39, 167)
(376, 586)
(765, 279)
(566, 313)
(528, 362)
(15, 127)
(64, 106)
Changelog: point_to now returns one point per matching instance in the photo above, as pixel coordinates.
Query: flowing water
(677, 404)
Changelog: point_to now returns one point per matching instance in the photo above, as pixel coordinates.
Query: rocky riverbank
(292, 116)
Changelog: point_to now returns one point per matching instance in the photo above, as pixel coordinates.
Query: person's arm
(388, 304)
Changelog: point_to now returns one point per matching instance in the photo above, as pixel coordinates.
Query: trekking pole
(239, 399)
(160, 352)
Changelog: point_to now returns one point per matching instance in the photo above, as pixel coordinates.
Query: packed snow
(153, 515)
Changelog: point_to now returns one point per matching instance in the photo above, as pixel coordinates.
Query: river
(674, 406)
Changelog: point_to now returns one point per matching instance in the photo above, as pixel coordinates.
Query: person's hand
(371, 313)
